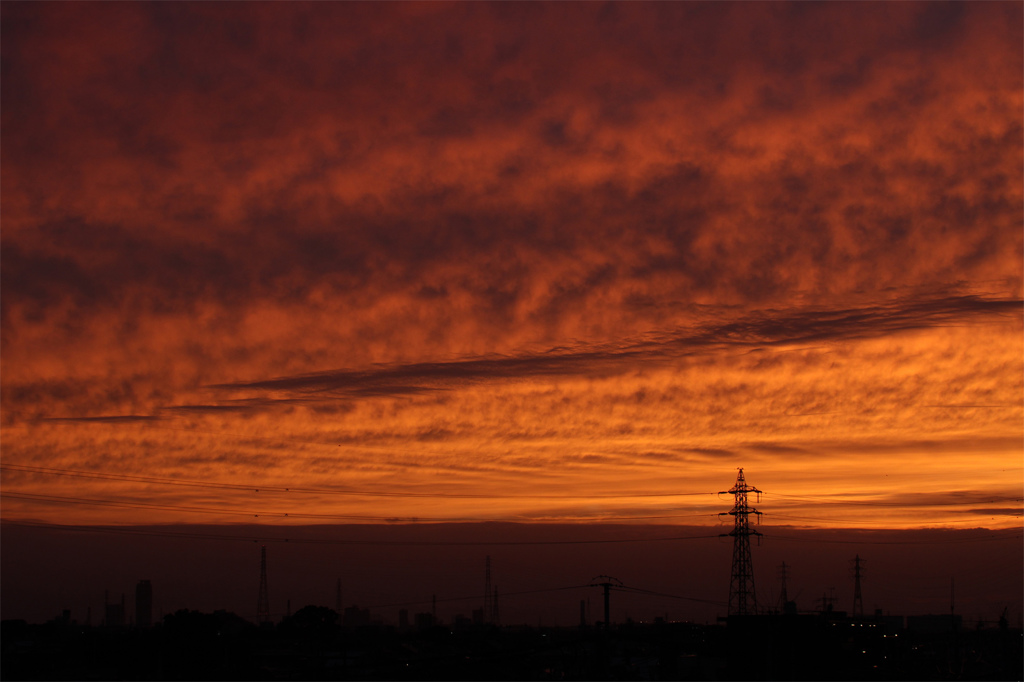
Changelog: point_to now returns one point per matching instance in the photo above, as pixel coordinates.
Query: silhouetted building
(893, 623)
(934, 623)
(424, 621)
(113, 616)
(356, 617)
(144, 604)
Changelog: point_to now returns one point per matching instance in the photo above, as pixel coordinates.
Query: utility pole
(608, 583)
(742, 598)
(263, 603)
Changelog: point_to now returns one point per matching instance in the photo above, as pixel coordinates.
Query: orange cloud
(520, 248)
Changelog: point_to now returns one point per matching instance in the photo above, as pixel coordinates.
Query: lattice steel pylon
(263, 603)
(784, 594)
(742, 598)
(858, 600)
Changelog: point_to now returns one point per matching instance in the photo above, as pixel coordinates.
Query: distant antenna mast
(784, 595)
(858, 601)
(263, 604)
(742, 598)
(488, 594)
(952, 602)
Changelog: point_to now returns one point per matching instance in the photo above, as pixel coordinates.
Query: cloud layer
(516, 241)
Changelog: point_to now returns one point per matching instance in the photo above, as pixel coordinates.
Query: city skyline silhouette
(911, 570)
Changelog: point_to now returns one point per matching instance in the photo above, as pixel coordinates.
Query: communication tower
(742, 598)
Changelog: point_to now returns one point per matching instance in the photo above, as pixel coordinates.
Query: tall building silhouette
(742, 598)
(144, 604)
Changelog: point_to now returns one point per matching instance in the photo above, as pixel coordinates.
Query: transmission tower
(263, 604)
(488, 594)
(784, 595)
(742, 598)
(858, 601)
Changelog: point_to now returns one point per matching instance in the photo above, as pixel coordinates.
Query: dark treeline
(312, 644)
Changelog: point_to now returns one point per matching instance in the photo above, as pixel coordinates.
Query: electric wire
(58, 499)
(504, 595)
(321, 491)
(626, 588)
(937, 541)
(134, 530)
(129, 530)
(912, 502)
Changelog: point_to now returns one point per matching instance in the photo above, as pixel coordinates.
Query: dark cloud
(775, 448)
(297, 235)
(793, 327)
(113, 419)
(997, 511)
(953, 498)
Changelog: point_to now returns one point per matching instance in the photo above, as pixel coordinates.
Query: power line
(58, 499)
(127, 530)
(774, 515)
(158, 480)
(320, 491)
(31, 497)
(669, 596)
(881, 503)
(950, 541)
(477, 597)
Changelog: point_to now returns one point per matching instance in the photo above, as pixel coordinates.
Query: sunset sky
(551, 262)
